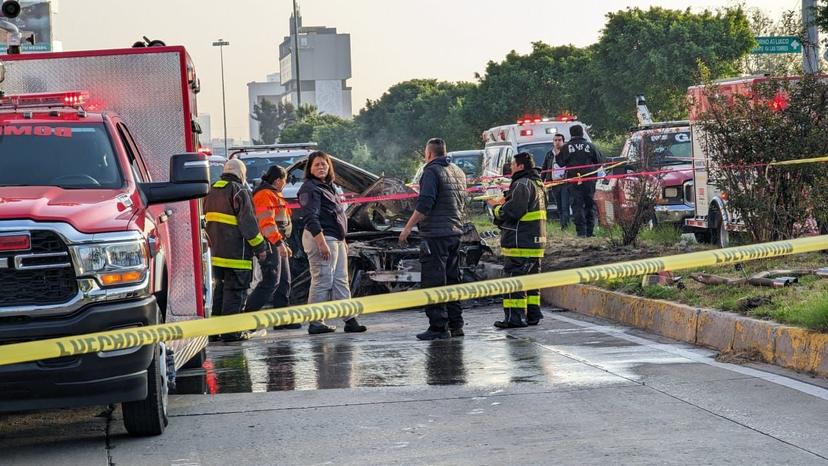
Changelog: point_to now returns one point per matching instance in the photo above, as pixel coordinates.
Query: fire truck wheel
(718, 229)
(148, 417)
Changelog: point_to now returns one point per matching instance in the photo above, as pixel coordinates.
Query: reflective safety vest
(231, 226)
(522, 218)
(272, 213)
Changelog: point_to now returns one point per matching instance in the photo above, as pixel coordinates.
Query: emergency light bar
(529, 119)
(73, 99)
(266, 147)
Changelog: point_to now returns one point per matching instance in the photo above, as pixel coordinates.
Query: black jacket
(548, 162)
(578, 152)
(231, 225)
(522, 219)
(322, 212)
(442, 199)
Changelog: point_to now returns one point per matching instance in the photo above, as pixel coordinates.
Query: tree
(272, 118)
(657, 52)
(537, 83)
(654, 52)
(398, 124)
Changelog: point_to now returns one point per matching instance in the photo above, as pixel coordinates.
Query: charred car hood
(366, 216)
(88, 210)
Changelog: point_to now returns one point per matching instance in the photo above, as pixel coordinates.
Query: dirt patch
(739, 357)
(565, 252)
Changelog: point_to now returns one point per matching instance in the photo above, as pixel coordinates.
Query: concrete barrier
(791, 347)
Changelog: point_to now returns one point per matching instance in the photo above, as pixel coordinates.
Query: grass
(804, 304)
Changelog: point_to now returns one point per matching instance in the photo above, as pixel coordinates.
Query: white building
(271, 90)
(324, 68)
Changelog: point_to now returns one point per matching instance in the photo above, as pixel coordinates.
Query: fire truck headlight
(113, 264)
(671, 193)
(11, 8)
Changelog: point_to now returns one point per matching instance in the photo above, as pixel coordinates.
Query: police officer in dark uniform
(577, 153)
(439, 216)
(522, 221)
(234, 239)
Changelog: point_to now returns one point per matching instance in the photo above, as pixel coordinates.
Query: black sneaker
(457, 332)
(316, 329)
(287, 327)
(233, 337)
(352, 326)
(432, 335)
(533, 322)
(506, 324)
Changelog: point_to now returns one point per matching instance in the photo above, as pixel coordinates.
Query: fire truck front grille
(43, 276)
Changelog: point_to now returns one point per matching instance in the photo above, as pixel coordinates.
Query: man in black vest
(583, 155)
(439, 213)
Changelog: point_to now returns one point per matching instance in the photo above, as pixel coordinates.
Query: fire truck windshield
(66, 156)
(668, 149)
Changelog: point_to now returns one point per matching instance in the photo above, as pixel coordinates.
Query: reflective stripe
(534, 300)
(231, 263)
(269, 230)
(263, 215)
(531, 216)
(221, 218)
(497, 211)
(514, 303)
(259, 239)
(522, 252)
(220, 183)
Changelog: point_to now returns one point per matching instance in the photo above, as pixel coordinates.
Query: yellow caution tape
(799, 161)
(587, 175)
(130, 337)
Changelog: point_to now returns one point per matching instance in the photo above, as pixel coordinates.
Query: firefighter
(578, 152)
(273, 215)
(234, 239)
(522, 221)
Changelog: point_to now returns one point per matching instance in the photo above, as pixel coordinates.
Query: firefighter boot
(514, 318)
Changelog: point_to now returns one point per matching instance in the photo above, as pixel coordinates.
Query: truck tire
(148, 417)
(702, 237)
(718, 230)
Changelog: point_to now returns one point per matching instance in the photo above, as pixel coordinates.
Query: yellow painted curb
(791, 347)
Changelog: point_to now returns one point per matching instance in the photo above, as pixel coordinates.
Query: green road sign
(778, 44)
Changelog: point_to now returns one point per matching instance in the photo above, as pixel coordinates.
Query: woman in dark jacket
(323, 239)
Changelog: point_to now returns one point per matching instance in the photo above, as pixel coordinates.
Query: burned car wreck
(377, 262)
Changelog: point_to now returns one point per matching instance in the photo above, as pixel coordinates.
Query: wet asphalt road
(571, 391)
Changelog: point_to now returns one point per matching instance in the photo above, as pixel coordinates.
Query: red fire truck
(99, 223)
(712, 220)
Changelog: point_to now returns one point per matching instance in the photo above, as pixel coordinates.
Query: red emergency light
(205, 151)
(527, 119)
(18, 242)
(780, 101)
(73, 99)
(566, 117)
(526, 132)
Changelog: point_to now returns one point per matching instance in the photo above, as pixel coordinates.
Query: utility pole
(810, 49)
(296, 54)
(220, 44)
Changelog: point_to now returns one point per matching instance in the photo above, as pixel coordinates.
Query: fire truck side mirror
(189, 168)
(189, 179)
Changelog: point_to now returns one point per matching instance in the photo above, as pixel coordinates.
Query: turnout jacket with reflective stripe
(273, 213)
(231, 226)
(522, 218)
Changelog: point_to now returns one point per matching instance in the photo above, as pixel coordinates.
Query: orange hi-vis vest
(272, 213)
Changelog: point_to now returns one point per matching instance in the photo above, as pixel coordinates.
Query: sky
(391, 40)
